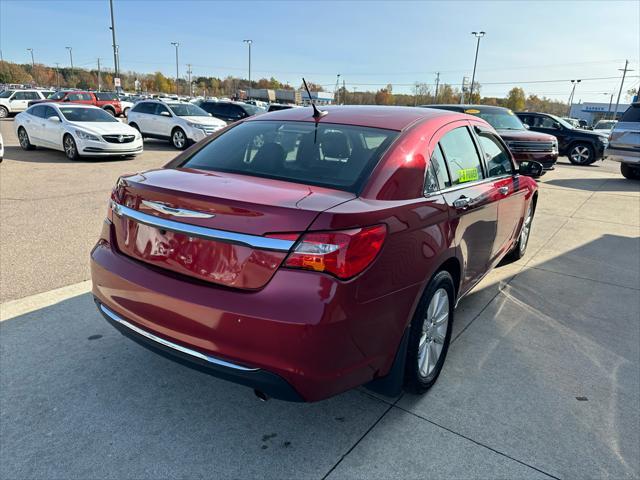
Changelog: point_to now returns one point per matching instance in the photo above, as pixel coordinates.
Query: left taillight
(343, 253)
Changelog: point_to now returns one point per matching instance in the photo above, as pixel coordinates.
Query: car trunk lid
(213, 226)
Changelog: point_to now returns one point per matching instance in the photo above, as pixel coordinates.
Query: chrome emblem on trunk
(176, 212)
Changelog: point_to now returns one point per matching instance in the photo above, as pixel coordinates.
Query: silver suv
(624, 143)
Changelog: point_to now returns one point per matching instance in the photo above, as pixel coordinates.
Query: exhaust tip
(261, 395)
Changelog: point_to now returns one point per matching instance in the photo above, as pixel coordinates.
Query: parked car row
(16, 101)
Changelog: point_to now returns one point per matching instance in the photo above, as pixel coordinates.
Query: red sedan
(305, 255)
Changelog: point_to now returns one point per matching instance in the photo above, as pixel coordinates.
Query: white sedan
(77, 130)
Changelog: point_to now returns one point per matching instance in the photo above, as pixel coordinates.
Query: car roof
(374, 116)
(467, 106)
(66, 105)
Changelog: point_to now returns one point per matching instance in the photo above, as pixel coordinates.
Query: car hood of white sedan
(205, 121)
(104, 128)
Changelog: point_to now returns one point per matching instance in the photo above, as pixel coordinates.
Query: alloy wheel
(526, 229)
(4, 113)
(69, 147)
(23, 138)
(178, 139)
(580, 154)
(434, 332)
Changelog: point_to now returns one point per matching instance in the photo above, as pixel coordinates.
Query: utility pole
(624, 74)
(336, 92)
(190, 86)
(435, 98)
(99, 78)
(116, 63)
(176, 44)
(57, 75)
(249, 42)
(344, 90)
(415, 95)
(464, 83)
(478, 35)
(33, 65)
(573, 91)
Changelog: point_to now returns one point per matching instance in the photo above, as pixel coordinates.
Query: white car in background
(1, 148)
(77, 130)
(16, 101)
(605, 126)
(179, 123)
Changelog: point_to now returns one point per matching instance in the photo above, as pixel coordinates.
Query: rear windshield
(632, 114)
(79, 114)
(328, 155)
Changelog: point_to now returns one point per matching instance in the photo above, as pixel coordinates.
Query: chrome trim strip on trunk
(253, 241)
(216, 361)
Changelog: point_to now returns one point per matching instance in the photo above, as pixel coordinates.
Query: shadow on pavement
(596, 185)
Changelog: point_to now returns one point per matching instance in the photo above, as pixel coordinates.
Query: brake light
(343, 253)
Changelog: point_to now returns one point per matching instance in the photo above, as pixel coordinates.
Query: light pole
(33, 65)
(176, 44)
(249, 42)
(610, 102)
(478, 35)
(70, 57)
(573, 91)
(57, 75)
(116, 63)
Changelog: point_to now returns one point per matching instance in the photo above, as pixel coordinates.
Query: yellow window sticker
(509, 112)
(472, 111)
(467, 175)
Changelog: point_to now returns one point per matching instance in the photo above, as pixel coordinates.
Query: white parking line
(35, 302)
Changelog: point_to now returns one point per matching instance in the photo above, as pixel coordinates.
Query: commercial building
(591, 112)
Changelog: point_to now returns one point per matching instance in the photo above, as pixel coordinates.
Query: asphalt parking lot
(542, 378)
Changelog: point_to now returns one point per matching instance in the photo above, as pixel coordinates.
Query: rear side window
(330, 155)
(632, 114)
(437, 174)
(37, 111)
(213, 108)
(145, 107)
(461, 156)
(104, 96)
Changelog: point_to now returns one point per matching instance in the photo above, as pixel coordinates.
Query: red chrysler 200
(304, 254)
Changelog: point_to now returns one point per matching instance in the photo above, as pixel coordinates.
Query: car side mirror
(54, 119)
(66, 100)
(557, 126)
(531, 169)
(526, 126)
(210, 115)
(165, 113)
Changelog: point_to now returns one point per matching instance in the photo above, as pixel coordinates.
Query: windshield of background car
(498, 119)
(76, 114)
(328, 155)
(605, 125)
(6, 93)
(187, 110)
(57, 96)
(252, 109)
(562, 122)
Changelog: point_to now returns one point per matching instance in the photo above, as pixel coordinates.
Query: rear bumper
(547, 159)
(270, 384)
(302, 330)
(623, 156)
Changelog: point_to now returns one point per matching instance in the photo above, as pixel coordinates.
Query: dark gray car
(624, 143)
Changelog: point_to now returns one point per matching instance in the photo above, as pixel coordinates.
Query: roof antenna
(317, 114)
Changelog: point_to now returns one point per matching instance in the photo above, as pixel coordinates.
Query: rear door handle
(503, 190)
(462, 203)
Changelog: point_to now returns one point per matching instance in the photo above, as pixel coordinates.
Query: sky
(538, 45)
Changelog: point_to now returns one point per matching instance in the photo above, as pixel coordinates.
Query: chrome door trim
(253, 241)
(188, 351)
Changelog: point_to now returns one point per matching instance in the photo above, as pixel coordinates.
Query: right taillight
(343, 253)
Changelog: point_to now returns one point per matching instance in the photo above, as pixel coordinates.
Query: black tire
(627, 171)
(581, 153)
(110, 111)
(421, 333)
(179, 139)
(520, 248)
(70, 147)
(125, 112)
(4, 112)
(23, 138)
